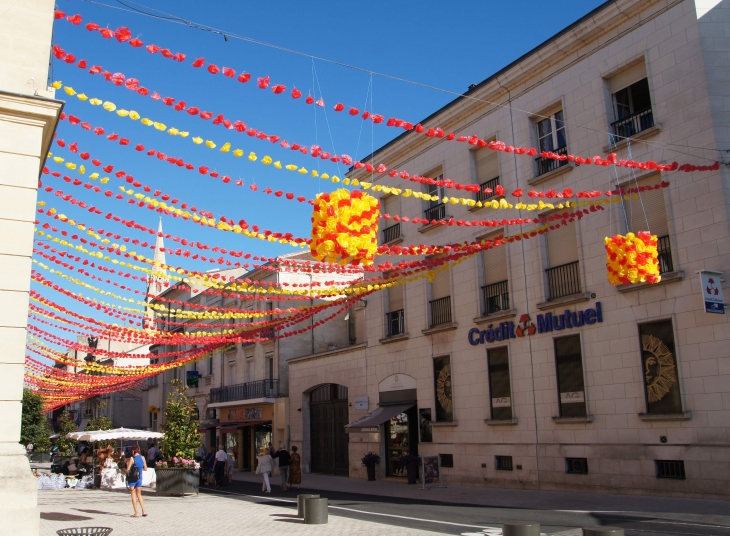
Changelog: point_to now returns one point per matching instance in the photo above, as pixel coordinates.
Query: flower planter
(177, 481)
(412, 469)
(371, 471)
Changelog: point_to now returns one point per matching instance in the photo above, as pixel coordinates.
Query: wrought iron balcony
(496, 297)
(563, 280)
(632, 125)
(436, 212)
(491, 184)
(546, 165)
(394, 323)
(440, 311)
(246, 391)
(665, 255)
(391, 233)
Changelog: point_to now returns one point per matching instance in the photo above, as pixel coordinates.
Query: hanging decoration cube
(345, 227)
(632, 258)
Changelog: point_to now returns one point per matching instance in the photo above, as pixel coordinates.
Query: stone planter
(370, 467)
(177, 481)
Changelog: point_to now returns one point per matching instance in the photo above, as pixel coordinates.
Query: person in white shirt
(220, 466)
(152, 456)
(264, 468)
(229, 468)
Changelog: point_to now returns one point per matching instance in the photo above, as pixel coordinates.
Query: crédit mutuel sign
(546, 323)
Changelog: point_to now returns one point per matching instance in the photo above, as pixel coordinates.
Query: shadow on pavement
(60, 516)
(100, 512)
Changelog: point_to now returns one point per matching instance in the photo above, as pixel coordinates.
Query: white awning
(129, 434)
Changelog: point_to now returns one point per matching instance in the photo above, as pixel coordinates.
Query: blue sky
(442, 44)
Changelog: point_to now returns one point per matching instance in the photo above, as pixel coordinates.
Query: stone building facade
(522, 366)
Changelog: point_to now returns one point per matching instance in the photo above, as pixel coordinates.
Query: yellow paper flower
(57, 85)
(237, 152)
(160, 126)
(210, 144)
(197, 140)
(109, 106)
(134, 115)
(95, 102)
(122, 113)
(82, 97)
(69, 90)
(226, 147)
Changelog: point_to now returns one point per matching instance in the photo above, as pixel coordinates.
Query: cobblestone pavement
(192, 516)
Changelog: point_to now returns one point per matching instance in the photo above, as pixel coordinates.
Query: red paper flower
(132, 84)
(244, 77)
(309, 99)
(75, 20)
(213, 69)
(339, 107)
(263, 82)
(123, 34)
(136, 43)
(118, 79)
(295, 93)
(320, 102)
(58, 14)
(278, 89)
(70, 58)
(82, 64)
(230, 73)
(168, 100)
(152, 49)
(199, 62)
(143, 91)
(166, 53)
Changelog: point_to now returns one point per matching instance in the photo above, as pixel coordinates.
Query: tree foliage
(102, 422)
(34, 425)
(67, 425)
(180, 428)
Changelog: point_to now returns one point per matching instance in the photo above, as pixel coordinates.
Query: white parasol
(125, 434)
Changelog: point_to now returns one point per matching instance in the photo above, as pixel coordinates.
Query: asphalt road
(453, 518)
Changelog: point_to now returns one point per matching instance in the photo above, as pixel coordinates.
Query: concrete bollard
(315, 512)
(603, 531)
(300, 502)
(520, 528)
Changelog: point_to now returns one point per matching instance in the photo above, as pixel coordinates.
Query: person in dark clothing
(220, 466)
(284, 459)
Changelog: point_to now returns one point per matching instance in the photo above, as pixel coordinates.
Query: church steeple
(158, 281)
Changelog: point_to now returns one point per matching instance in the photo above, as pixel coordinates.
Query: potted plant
(178, 473)
(369, 461)
(410, 461)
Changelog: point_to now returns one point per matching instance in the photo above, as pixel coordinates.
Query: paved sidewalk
(192, 516)
(510, 498)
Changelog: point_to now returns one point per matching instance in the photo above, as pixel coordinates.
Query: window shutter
(627, 77)
(395, 297)
(390, 205)
(562, 245)
(495, 264)
(487, 163)
(653, 211)
(441, 286)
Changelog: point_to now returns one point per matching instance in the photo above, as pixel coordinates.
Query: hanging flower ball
(345, 227)
(632, 258)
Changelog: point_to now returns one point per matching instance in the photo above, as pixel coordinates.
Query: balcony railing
(496, 297)
(563, 280)
(246, 391)
(391, 233)
(436, 212)
(665, 255)
(546, 165)
(394, 323)
(440, 311)
(491, 184)
(629, 126)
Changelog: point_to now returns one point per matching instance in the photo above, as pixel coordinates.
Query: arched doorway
(328, 416)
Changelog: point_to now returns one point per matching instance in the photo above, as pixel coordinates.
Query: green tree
(101, 422)
(65, 445)
(180, 428)
(34, 425)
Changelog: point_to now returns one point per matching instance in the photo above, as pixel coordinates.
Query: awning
(372, 421)
(232, 427)
(204, 427)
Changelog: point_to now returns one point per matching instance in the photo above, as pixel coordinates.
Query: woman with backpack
(136, 465)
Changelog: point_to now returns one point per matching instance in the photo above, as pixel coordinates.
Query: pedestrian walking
(136, 465)
(152, 454)
(295, 468)
(209, 468)
(283, 456)
(264, 467)
(230, 462)
(220, 467)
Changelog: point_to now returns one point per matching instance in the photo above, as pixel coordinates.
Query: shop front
(396, 419)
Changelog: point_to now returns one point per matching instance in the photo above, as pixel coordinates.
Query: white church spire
(158, 280)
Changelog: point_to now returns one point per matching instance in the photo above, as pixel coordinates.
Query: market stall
(112, 476)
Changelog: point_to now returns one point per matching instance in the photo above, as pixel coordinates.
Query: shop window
(443, 389)
(499, 383)
(659, 365)
(550, 138)
(631, 102)
(563, 274)
(571, 389)
(495, 291)
(486, 162)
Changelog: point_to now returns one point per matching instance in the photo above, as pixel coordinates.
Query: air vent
(672, 469)
(503, 463)
(447, 460)
(576, 466)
